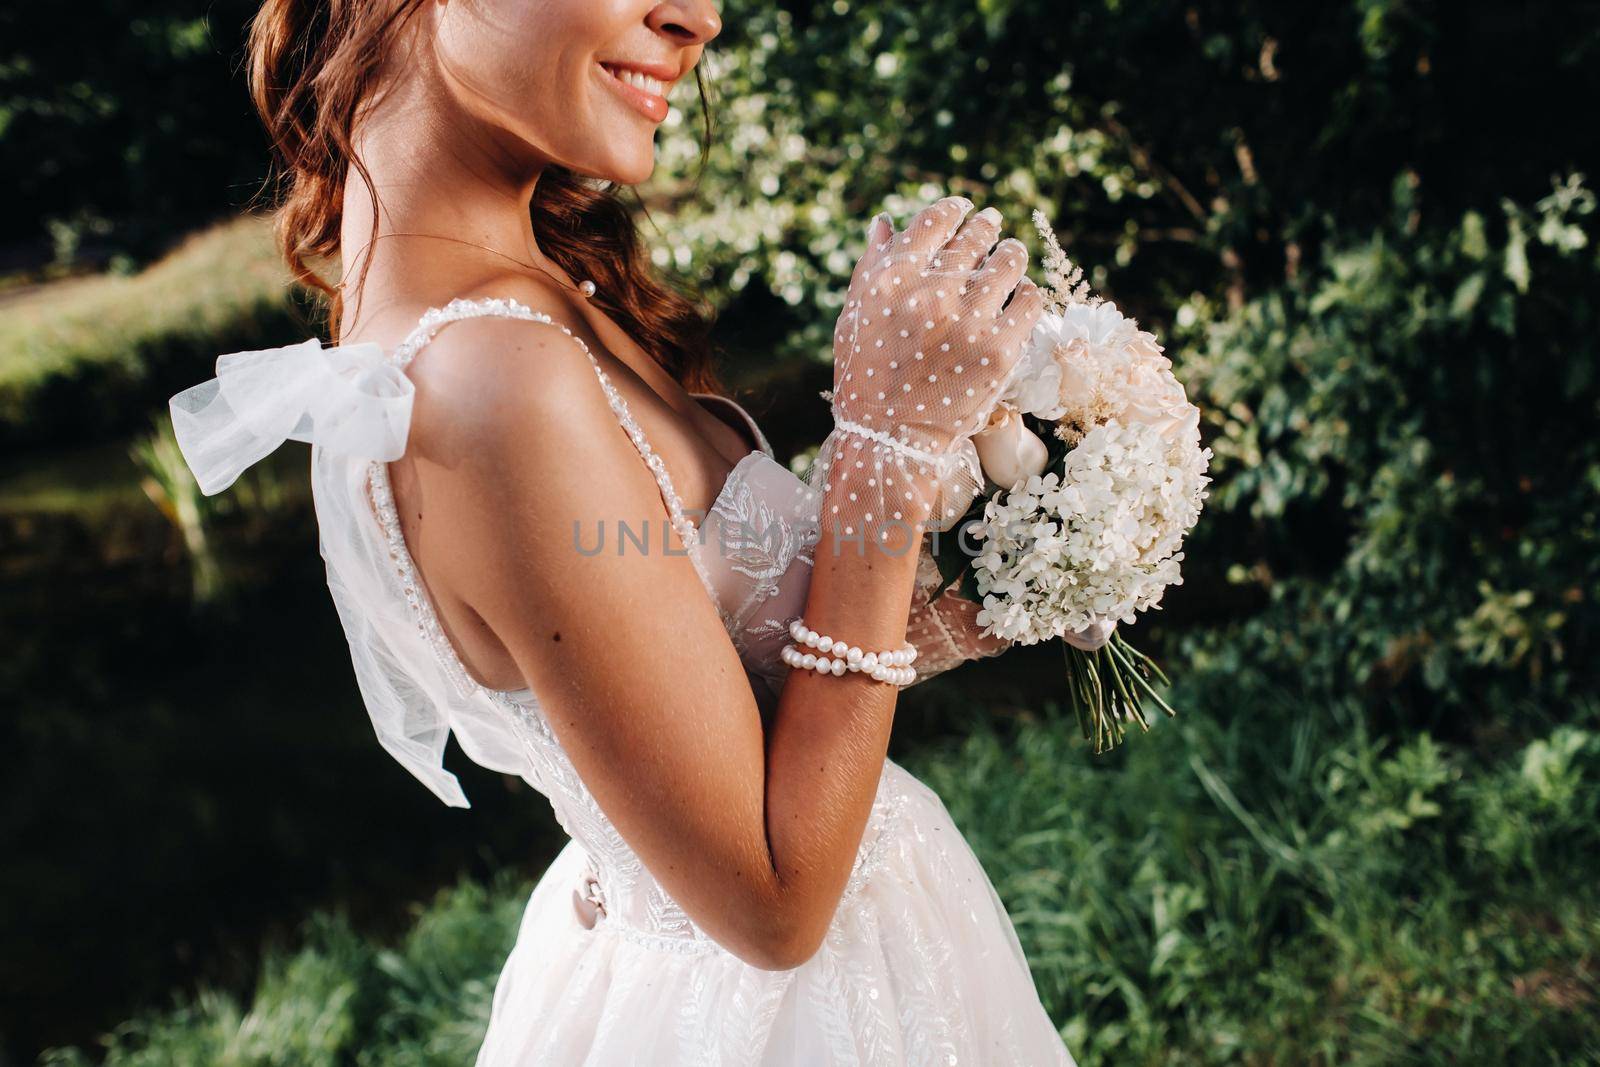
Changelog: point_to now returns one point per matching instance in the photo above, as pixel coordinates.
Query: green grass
(340, 999)
(1281, 890)
(90, 358)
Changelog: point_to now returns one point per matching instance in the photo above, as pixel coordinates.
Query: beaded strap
(422, 613)
(435, 318)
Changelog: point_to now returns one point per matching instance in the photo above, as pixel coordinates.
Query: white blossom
(1102, 537)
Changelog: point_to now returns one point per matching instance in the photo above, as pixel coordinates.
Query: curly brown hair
(312, 65)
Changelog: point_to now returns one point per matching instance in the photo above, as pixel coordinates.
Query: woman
(750, 880)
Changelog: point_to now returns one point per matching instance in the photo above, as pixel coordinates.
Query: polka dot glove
(946, 631)
(945, 627)
(933, 325)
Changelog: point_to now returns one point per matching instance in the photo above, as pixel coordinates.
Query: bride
(548, 535)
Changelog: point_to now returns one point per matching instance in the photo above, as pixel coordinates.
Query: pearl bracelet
(810, 661)
(893, 666)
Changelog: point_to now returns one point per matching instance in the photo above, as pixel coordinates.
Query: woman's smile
(643, 86)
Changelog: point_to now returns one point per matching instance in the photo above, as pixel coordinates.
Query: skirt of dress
(920, 966)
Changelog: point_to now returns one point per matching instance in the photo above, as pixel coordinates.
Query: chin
(615, 174)
(635, 171)
(620, 163)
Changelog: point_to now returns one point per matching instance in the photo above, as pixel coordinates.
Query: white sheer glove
(924, 348)
(945, 627)
(946, 632)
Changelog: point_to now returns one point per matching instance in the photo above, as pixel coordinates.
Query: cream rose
(1007, 450)
(1145, 391)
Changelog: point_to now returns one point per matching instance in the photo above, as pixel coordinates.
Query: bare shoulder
(513, 445)
(482, 377)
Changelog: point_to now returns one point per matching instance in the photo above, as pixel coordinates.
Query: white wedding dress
(921, 964)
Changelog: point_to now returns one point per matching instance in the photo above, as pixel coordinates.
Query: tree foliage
(1391, 334)
(123, 125)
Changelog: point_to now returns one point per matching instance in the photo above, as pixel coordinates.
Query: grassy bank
(1278, 890)
(90, 358)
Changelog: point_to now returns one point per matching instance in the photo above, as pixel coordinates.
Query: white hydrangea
(1100, 539)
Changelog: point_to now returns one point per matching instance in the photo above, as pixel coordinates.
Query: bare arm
(753, 835)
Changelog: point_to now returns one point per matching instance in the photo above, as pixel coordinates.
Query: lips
(637, 79)
(641, 88)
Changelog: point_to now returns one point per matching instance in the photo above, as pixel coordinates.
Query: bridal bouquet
(1095, 474)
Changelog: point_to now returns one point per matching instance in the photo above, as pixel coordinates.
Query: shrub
(341, 998)
(1267, 890)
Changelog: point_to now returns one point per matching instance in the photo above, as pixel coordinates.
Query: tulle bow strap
(347, 399)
